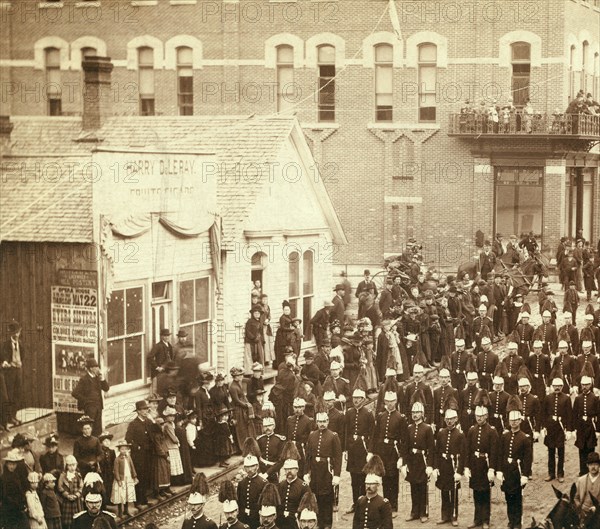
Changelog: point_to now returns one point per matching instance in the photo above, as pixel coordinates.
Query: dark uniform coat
(336, 422)
(548, 336)
(487, 361)
(567, 363)
(450, 456)
(290, 493)
(516, 458)
(359, 428)
(585, 420)
(271, 447)
(83, 520)
(539, 367)
(525, 332)
(389, 438)
(236, 525)
(482, 454)
(440, 394)
(458, 361)
(323, 460)
(532, 414)
(512, 363)
(372, 513)
(556, 418)
(578, 366)
(466, 406)
(478, 329)
(419, 452)
(572, 337)
(498, 417)
(410, 389)
(298, 428)
(202, 522)
(248, 494)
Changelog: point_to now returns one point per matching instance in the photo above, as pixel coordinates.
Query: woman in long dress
(242, 409)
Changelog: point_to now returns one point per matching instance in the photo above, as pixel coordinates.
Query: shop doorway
(579, 201)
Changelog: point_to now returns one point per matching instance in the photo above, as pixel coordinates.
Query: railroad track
(213, 482)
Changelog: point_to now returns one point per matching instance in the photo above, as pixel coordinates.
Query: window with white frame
(146, 80)
(584, 84)
(301, 288)
(285, 77)
(427, 81)
(125, 336)
(185, 81)
(195, 314)
(53, 86)
(326, 66)
(596, 90)
(572, 72)
(384, 82)
(521, 72)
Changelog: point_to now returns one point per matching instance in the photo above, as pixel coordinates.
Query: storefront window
(519, 200)
(125, 336)
(194, 314)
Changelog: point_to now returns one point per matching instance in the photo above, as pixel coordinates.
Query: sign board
(74, 317)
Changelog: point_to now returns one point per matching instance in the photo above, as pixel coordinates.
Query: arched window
(596, 74)
(326, 65)
(53, 86)
(285, 77)
(585, 47)
(572, 72)
(521, 72)
(185, 81)
(146, 80)
(427, 81)
(384, 82)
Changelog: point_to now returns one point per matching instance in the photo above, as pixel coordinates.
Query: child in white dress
(123, 491)
(35, 511)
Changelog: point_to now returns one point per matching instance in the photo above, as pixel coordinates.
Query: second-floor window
(285, 77)
(326, 65)
(521, 71)
(185, 81)
(572, 72)
(384, 83)
(585, 85)
(53, 88)
(427, 81)
(146, 80)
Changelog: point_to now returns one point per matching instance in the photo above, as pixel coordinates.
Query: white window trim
(573, 41)
(182, 41)
(313, 43)
(382, 37)
(86, 41)
(192, 276)
(39, 61)
(300, 297)
(423, 37)
(535, 41)
(284, 39)
(145, 41)
(585, 35)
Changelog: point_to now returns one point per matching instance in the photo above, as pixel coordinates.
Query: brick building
(383, 127)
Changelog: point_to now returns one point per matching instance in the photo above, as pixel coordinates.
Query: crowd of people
(491, 117)
(361, 396)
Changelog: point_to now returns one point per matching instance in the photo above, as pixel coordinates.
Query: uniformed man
(587, 355)
(566, 363)
(440, 394)
(298, 429)
(556, 421)
(498, 400)
(228, 497)
(449, 463)
(482, 326)
(336, 417)
(291, 490)
(570, 332)
(269, 504)
(93, 504)
(531, 409)
(481, 462)
(585, 418)
(547, 332)
(359, 428)
(324, 465)
(487, 361)
(307, 518)
(388, 440)
(249, 491)
(539, 366)
(512, 363)
(590, 331)
(372, 510)
(271, 446)
(458, 360)
(418, 456)
(419, 386)
(466, 401)
(515, 464)
(524, 330)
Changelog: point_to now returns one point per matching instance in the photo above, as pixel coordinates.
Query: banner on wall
(74, 308)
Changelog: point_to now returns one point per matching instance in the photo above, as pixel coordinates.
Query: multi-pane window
(125, 335)
(146, 80)
(521, 72)
(285, 78)
(301, 288)
(326, 65)
(53, 88)
(185, 81)
(384, 83)
(572, 72)
(427, 81)
(584, 75)
(195, 314)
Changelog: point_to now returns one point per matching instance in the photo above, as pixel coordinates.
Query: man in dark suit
(487, 261)
(11, 364)
(338, 309)
(497, 247)
(138, 436)
(366, 285)
(88, 393)
(320, 323)
(161, 353)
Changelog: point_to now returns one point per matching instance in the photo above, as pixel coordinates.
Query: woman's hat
(84, 419)
(13, 456)
(122, 442)
(105, 435)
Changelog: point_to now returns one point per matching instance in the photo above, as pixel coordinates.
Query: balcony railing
(572, 125)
